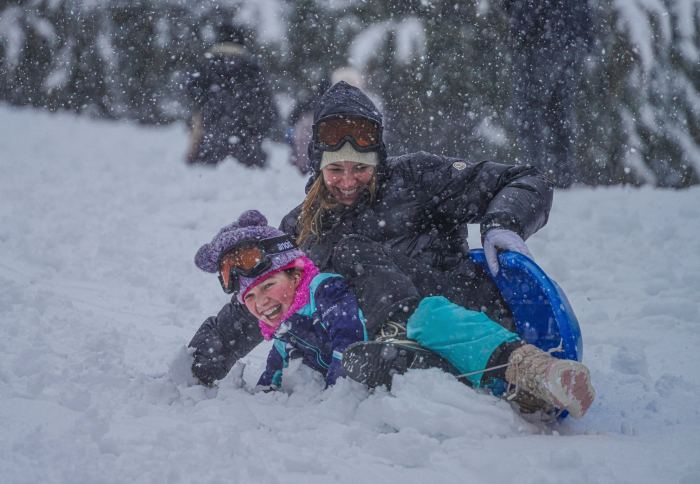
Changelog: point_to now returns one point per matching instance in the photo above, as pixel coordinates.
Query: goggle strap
(349, 117)
(276, 245)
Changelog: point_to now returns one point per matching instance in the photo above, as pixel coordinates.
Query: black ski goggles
(364, 134)
(249, 259)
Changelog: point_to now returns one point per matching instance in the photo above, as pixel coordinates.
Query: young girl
(307, 313)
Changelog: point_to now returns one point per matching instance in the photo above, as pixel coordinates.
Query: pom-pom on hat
(250, 226)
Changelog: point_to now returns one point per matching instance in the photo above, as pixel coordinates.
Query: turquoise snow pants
(463, 337)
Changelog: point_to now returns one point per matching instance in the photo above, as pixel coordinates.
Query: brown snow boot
(566, 384)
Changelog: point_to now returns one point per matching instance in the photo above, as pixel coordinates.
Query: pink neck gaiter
(301, 297)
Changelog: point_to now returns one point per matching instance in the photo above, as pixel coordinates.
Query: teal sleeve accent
(277, 379)
(463, 337)
(282, 350)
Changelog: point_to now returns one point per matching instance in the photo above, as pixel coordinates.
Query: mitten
(505, 240)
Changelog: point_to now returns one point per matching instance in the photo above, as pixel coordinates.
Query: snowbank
(98, 294)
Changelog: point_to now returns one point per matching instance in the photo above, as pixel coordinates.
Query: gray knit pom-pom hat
(251, 225)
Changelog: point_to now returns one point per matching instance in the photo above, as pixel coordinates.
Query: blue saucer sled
(542, 313)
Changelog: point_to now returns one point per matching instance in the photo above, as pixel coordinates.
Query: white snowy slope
(99, 223)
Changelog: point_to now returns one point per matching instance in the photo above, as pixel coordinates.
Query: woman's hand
(502, 239)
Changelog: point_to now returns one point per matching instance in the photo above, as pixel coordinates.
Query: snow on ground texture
(98, 295)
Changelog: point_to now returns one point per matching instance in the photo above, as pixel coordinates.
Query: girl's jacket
(318, 332)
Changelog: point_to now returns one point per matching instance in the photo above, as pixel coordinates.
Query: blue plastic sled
(542, 313)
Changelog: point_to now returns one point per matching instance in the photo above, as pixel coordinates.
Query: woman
(411, 211)
(415, 206)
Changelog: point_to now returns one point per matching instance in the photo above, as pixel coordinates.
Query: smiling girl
(307, 313)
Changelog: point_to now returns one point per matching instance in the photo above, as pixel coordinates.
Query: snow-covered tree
(443, 69)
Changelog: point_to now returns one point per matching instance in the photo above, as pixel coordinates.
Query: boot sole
(570, 386)
(374, 363)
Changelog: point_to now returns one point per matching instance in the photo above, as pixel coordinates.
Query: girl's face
(345, 180)
(269, 300)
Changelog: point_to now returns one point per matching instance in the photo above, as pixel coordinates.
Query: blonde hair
(318, 200)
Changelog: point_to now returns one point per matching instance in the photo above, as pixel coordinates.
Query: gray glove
(505, 240)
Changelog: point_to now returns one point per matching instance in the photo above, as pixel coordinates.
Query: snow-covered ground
(99, 223)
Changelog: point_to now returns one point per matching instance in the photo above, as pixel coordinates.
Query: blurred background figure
(233, 109)
(550, 39)
(301, 119)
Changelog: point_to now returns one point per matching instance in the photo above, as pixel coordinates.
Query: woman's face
(345, 180)
(269, 300)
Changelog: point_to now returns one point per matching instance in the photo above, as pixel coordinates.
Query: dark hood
(342, 99)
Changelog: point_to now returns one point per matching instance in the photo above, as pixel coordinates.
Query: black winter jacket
(424, 203)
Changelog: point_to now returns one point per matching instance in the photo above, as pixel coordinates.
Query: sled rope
(511, 396)
(557, 349)
(472, 373)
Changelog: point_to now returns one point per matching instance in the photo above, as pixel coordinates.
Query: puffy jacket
(424, 203)
(319, 332)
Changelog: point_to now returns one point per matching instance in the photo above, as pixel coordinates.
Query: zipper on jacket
(319, 360)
